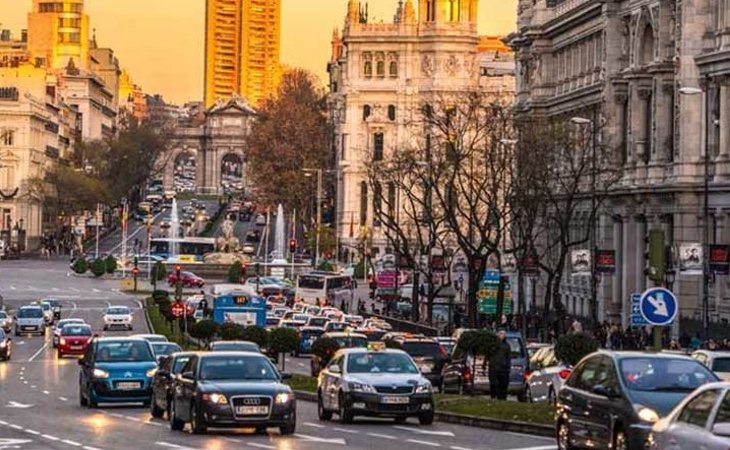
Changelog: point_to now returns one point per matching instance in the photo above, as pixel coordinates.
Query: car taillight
(527, 374)
(563, 374)
(467, 373)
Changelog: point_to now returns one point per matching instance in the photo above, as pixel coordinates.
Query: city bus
(330, 287)
(189, 249)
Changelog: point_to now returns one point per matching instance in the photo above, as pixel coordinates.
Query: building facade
(636, 64)
(242, 49)
(58, 31)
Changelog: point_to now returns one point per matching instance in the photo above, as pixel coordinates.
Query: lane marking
(169, 445)
(455, 447)
(429, 443)
(513, 433)
(46, 392)
(345, 430)
(309, 438)
(16, 427)
(313, 425)
(63, 399)
(542, 447)
(427, 432)
(40, 350)
(232, 440)
(385, 436)
(33, 432)
(86, 447)
(33, 386)
(69, 442)
(255, 444)
(2, 422)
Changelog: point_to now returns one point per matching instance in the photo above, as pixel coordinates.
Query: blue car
(116, 370)
(307, 336)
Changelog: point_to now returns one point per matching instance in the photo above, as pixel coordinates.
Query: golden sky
(161, 41)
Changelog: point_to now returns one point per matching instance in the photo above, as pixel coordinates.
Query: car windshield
(311, 282)
(664, 374)
(380, 363)
(300, 317)
(76, 330)
(272, 321)
(237, 368)
(318, 322)
(123, 351)
(235, 347)
(721, 365)
(421, 349)
(46, 306)
(351, 342)
(515, 346)
(30, 313)
(166, 348)
(336, 326)
(118, 311)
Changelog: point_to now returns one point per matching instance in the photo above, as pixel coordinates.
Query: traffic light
(655, 256)
(292, 246)
(177, 272)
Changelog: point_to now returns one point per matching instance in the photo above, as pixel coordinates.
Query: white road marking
(16, 427)
(33, 432)
(25, 382)
(40, 350)
(55, 289)
(543, 447)
(254, 444)
(429, 443)
(179, 447)
(309, 438)
(46, 392)
(2, 422)
(232, 440)
(18, 405)
(134, 419)
(33, 386)
(345, 430)
(95, 290)
(12, 288)
(63, 399)
(300, 364)
(384, 436)
(74, 443)
(86, 447)
(21, 378)
(13, 443)
(313, 425)
(513, 433)
(427, 432)
(21, 343)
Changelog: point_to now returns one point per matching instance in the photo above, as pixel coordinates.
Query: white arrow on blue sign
(658, 306)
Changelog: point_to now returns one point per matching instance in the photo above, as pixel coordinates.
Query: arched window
(368, 69)
(393, 70)
(391, 198)
(378, 145)
(647, 46)
(454, 10)
(391, 112)
(377, 197)
(380, 68)
(366, 112)
(363, 203)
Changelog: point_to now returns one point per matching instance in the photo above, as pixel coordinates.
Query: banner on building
(720, 259)
(508, 263)
(606, 262)
(690, 259)
(581, 262)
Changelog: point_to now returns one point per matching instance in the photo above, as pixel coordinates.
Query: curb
(147, 317)
(469, 421)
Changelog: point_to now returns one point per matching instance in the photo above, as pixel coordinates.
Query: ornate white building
(381, 76)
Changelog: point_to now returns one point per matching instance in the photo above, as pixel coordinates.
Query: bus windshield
(311, 282)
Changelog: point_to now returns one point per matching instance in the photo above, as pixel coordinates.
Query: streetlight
(583, 121)
(706, 213)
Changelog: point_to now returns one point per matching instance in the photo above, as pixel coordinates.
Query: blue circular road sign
(658, 306)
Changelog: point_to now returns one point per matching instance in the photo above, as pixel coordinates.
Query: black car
(162, 382)
(232, 390)
(429, 355)
(234, 346)
(612, 399)
(6, 345)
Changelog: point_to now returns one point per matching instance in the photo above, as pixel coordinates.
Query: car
(152, 337)
(307, 336)
(380, 383)
(6, 321)
(59, 326)
(372, 334)
(429, 355)
(718, 362)
(334, 326)
(700, 421)
(344, 340)
(260, 220)
(315, 321)
(290, 323)
(447, 342)
(116, 370)
(162, 382)
(6, 345)
(545, 376)
(353, 320)
(232, 390)
(379, 324)
(162, 349)
(118, 317)
(187, 279)
(280, 311)
(47, 311)
(74, 339)
(55, 307)
(234, 346)
(30, 319)
(459, 376)
(612, 399)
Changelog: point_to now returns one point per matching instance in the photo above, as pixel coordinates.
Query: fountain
(174, 230)
(279, 253)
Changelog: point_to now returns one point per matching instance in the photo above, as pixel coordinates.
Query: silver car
(718, 362)
(700, 421)
(546, 376)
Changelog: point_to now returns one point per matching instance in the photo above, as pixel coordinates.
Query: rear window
(516, 348)
(76, 330)
(423, 349)
(352, 342)
(721, 365)
(318, 322)
(664, 374)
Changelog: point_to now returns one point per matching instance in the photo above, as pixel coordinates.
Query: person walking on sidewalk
(499, 367)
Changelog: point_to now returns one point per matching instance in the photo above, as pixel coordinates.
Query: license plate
(77, 347)
(252, 410)
(128, 385)
(480, 380)
(395, 400)
(29, 328)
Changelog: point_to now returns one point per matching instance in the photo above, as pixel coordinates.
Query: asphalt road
(39, 406)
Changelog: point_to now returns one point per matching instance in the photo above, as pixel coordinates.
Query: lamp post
(591, 123)
(706, 210)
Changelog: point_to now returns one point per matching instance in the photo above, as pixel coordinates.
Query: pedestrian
(499, 367)
(696, 342)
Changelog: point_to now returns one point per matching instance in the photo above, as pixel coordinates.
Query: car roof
(121, 339)
(714, 353)
(337, 334)
(204, 355)
(638, 354)
(347, 351)
(31, 307)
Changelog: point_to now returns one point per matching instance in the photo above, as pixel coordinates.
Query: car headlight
(218, 399)
(646, 414)
(62, 341)
(283, 398)
(423, 388)
(361, 387)
(3, 344)
(151, 373)
(100, 373)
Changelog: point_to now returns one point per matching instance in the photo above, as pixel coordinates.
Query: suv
(55, 307)
(429, 355)
(467, 373)
(30, 319)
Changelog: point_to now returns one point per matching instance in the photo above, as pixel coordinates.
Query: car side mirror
(163, 373)
(285, 376)
(721, 429)
(604, 391)
(335, 369)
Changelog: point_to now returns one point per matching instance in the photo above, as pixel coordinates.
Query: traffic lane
(299, 366)
(18, 437)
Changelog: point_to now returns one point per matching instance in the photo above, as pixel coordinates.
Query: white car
(261, 220)
(248, 249)
(47, 312)
(118, 317)
(59, 326)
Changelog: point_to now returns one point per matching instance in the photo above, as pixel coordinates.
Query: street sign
(489, 292)
(637, 320)
(658, 306)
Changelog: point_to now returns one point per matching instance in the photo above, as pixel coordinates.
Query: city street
(39, 393)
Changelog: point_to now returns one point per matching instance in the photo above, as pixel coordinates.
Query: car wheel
(345, 413)
(322, 413)
(619, 440)
(156, 411)
(83, 401)
(197, 422)
(175, 423)
(290, 427)
(564, 437)
(105, 328)
(426, 418)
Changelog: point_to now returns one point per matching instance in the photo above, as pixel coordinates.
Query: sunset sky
(161, 41)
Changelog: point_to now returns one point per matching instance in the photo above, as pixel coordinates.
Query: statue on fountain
(227, 247)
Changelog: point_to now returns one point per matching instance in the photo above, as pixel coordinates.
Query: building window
(7, 137)
(363, 203)
(367, 65)
(391, 112)
(377, 198)
(380, 68)
(366, 110)
(430, 10)
(454, 10)
(393, 70)
(378, 143)
(391, 198)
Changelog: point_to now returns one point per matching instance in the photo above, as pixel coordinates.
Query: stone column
(642, 142)
(628, 266)
(722, 161)
(661, 151)
(617, 293)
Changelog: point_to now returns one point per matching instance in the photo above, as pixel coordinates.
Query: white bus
(189, 249)
(330, 287)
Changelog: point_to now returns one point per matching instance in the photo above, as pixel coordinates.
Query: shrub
(283, 340)
(324, 349)
(325, 266)
(204, 330)
(98, 267)
(236, 272)
(478, 342)
(159, 271)
(571, 348)
(110, 264)
(81, 265)
(165, 307)
(160, 295)
(257, 335)
(230, 331)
